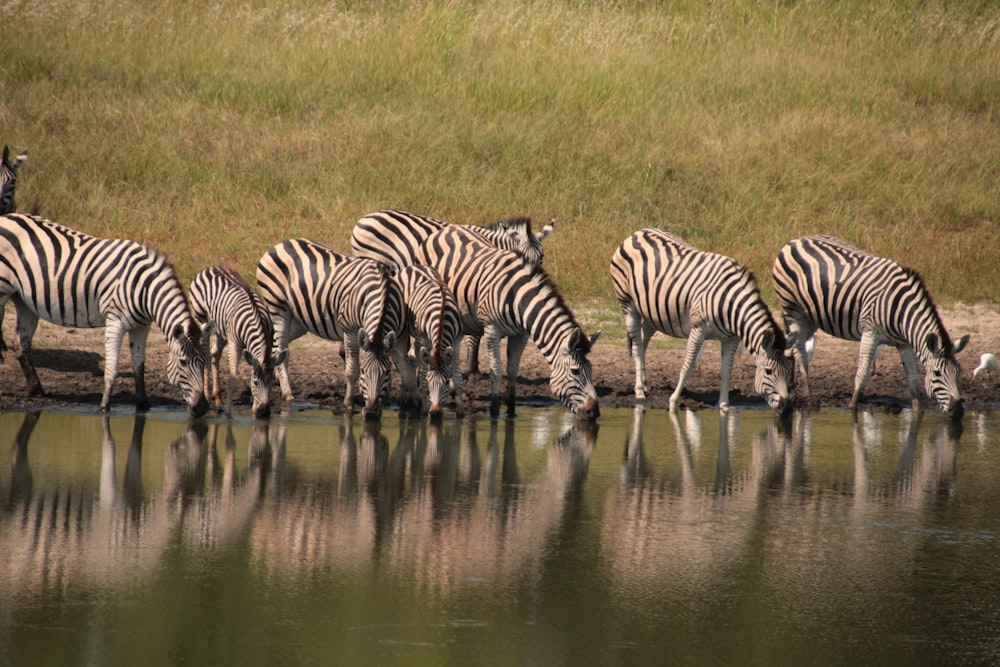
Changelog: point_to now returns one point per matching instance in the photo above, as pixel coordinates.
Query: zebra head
(570, 380)
(775, 367)
(262, 379)
(529, 244)
(186, 366)
(438, 378)
(8, 180)
(941, 375)
(375, 365)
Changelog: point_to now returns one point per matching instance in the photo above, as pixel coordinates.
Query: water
(704, 539)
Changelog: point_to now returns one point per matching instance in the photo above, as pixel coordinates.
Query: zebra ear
(281, 358)
(546, 230)
(446, 356)
(363, 341)
(249, 358)
(768, 339)
(389, 341)
(572, 342)
(594, 336)
(962, 342)
(425, 355)
(207, 327)
(932, 344)
(177, 333)
(18, 161)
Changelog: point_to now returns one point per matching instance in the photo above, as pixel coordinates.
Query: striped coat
(73, 279)
(827, 284)
(434, 323)
(664, 284)
(502, 296)
(310, 288)
(230, 311)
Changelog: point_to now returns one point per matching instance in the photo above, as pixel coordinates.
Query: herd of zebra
(414, 288)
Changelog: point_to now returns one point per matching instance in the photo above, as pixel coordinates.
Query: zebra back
(673, 284)
(499, 288)
(8, 180)
(395, 236)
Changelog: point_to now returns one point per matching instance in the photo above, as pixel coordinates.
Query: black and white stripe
(395, 236)
(825, 283)
(664, 284)
(8, 180)
(434, 322)
(502, 296)
(75, 280)
(310, 288)
(230, 311)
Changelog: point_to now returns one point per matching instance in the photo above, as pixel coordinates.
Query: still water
(649, 539)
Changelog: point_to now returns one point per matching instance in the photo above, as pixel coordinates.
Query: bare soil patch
(70, 365)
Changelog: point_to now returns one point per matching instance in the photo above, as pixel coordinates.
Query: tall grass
(215, 130)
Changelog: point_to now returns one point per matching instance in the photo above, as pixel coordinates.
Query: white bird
(988, 363)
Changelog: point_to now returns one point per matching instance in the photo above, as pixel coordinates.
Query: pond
(646, 539)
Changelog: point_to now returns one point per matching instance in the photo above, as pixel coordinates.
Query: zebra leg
(285, 331)
(218, 344)
(866, 356)
(492, 339)
(729, 347)
(137, 347)
(472, 355)
(799, 332)
(232, 381)
(27, 322)
(909, 359)
(456, 377)
(696, 340)
(410, 398)
(639, 333)
(114, 333)
(515, 348)
(352, 369)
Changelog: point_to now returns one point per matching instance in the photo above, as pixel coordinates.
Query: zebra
(8, 180)
(664, 284)
(395, 236)
(502, 296)
(229, 310)
(825, 283)
(434, 322)
(310, 288)
(73, 279)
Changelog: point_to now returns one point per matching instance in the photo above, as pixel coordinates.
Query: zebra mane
(507, 223)
(914, 277)
(543, 280)
(779, 333)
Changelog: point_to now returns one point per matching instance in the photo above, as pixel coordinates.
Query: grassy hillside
(215, 130)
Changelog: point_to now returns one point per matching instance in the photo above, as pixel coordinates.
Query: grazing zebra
(825, 283)
(502, 296)
(396, 236)
(229, 310)
(664, 284)
(8, 180)
(75, 280)
(310, 288)
(434, 322)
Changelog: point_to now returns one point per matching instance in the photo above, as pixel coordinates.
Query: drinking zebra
(825, 283)
(434, 322)
(395, 236)
(230, 311)
(75, 280)
(8, 180)
(502, 296)
(664, 284)
(310, 288)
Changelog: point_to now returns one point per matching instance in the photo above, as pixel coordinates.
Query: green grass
(213, 131)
